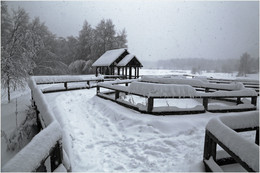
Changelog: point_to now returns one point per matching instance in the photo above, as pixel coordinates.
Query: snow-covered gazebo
(118, 62)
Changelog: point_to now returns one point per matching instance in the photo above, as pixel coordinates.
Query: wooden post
(254, 100)
(137, 72)
(205, 103)
(126, 72)
(257, 136)
(210, 147)
(239, 100)
(130, 72)
(88, 83)
(66, 85)
(150, 104)
(56, 156)
(98, 90)
(96, 71)
(116, 95)
(206, 90)
(118, 70)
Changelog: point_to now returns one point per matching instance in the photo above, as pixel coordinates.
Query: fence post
(210, 147)
(239, 100)
(98, 89)
(88, 84)
(205, 103)
(116, 95)
(253, 100)
(66, 85)
(56, 156)
(257, 136)
(150, 104)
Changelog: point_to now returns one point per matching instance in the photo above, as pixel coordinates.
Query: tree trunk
(8, 89)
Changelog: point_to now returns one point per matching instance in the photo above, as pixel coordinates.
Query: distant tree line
(29, 48)
(245, 65)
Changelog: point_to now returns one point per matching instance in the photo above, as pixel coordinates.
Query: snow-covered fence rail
(32, 156)
(46, 144)
(69, 82)
(223, 131)
(172, 91)
(207, 85)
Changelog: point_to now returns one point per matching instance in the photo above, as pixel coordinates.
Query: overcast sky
(161, 29)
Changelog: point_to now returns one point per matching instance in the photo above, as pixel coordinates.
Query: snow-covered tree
(15, 51)
(244, 67)
(86, 39)
(81, 67)
(121, 39)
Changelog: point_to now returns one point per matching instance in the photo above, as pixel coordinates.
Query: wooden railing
(47, 144)
(150, 106)
(235, 149)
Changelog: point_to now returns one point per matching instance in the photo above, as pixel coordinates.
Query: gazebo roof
(109, 57)
(126, 60)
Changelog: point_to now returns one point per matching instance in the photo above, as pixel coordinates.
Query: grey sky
(161, 29)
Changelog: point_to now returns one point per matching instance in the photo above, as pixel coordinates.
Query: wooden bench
(213, 159)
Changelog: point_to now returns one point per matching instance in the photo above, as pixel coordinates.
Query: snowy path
(105, 136)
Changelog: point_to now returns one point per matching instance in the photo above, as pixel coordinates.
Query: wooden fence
(213, 159)
(45, 146)
(150, 106)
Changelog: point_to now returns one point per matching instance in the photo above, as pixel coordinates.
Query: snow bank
(222, 129)
(149, 90)
(30, 157)
(64, 78)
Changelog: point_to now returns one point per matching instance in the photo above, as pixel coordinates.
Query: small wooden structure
(118, 62)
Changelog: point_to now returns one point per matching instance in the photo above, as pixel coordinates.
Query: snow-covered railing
(72, 82)
(195, 82)
(46, 144)
(202, 84)
(153, 91)
(32, 156)
(223, 131)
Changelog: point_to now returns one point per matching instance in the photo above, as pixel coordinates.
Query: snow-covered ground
(103, 136)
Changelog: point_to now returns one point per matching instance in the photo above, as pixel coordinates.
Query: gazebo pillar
(130, 72)
(126, 72)
(118, 70)
(137, 72)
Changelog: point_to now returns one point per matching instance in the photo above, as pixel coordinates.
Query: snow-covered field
(103, 136)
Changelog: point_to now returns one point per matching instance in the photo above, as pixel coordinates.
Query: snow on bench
(222, 131)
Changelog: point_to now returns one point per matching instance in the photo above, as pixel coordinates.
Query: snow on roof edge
(109, 57)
